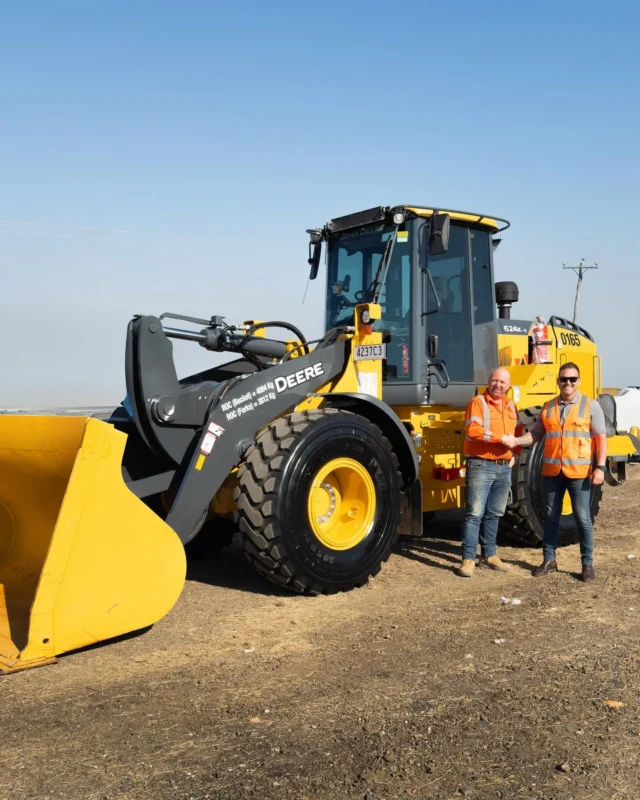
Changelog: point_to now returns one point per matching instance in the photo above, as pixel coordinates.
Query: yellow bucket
(82, 559)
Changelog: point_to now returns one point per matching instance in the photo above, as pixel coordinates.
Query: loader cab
(437, 307)
(353, 258)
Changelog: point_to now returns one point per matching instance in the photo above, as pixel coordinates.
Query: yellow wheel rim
(342, 504)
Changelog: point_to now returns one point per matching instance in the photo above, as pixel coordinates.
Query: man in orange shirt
(574, 429)
(492, 426)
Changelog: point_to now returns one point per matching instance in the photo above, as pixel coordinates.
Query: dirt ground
(421, 685)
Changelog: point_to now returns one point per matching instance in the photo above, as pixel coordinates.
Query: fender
(380, 414)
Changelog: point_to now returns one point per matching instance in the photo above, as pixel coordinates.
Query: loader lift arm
(181, 423)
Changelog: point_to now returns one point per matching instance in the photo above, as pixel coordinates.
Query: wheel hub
(332, 502)
(341, 504)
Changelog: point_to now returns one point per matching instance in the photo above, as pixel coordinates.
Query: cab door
(484, 333)
(452, 322)
(465, 321)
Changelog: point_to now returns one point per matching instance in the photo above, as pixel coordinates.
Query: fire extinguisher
(540, 339)
(405, 359)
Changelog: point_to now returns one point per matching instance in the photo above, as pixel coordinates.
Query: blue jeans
(487, 487)
(580, 493)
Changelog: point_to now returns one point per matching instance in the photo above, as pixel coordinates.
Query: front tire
(318, 501)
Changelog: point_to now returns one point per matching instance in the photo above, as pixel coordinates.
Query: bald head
(499, 382)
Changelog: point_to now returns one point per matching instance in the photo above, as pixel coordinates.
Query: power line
(579, 271)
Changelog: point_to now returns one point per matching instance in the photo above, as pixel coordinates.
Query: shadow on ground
(230, 569)
(440, 545)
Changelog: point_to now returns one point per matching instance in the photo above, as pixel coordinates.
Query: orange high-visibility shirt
(487, 421)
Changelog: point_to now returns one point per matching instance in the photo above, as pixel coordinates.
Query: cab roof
(383, 213)
(487, 221)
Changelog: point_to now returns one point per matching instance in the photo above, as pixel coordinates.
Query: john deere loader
(320, 453)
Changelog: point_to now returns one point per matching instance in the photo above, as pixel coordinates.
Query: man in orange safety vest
(492, 424)
(573, 427)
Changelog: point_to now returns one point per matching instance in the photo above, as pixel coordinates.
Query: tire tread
(259, 477)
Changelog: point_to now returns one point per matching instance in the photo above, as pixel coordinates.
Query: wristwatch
(603, 467)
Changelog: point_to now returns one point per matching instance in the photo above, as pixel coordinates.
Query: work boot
(466, 569)
(495, 563)
(544, 569)
(587, 573)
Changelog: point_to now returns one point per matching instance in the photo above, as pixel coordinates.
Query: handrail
(597, 375)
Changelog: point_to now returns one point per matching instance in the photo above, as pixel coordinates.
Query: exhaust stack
(506, 294)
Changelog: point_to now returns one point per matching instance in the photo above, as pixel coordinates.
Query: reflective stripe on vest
(550, 406)
(485, 421)
(486, 418)
(583, 405)
(566, 449)
(570, 434)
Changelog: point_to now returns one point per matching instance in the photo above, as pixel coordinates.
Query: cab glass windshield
(354, 257)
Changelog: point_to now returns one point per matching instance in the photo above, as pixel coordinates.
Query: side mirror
(433, 346)
(439, 236)
(315, 250)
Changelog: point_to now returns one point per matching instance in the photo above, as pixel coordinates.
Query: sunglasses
(572, 379)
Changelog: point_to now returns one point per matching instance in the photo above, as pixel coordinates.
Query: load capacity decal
(268, 391)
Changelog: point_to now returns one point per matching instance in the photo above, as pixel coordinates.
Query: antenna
(305, 290)
(579, 270)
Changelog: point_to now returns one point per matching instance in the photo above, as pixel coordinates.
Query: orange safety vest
(568, 448)
(495, 423)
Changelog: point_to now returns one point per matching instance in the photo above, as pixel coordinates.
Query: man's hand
(509, 441)
(513, 461)
(597, 477)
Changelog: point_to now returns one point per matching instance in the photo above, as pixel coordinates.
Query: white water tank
(627, 408)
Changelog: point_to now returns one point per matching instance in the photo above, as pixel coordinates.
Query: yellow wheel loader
(320, 453)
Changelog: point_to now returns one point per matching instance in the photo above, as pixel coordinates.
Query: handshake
(509, 441)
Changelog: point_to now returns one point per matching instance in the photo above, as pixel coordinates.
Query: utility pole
(579, 270)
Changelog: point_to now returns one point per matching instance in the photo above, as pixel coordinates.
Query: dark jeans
(487, 487)
(580, 493)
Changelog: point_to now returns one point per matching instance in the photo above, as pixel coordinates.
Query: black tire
(524, 519)
(272, 495)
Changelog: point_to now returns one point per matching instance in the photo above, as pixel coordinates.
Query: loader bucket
(82, 559)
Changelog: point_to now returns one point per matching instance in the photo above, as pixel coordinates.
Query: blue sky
(169, 156)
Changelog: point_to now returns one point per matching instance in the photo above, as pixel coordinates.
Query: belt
(490, 460)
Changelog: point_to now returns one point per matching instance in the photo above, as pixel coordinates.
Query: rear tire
(524, 520)
(282, 533)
